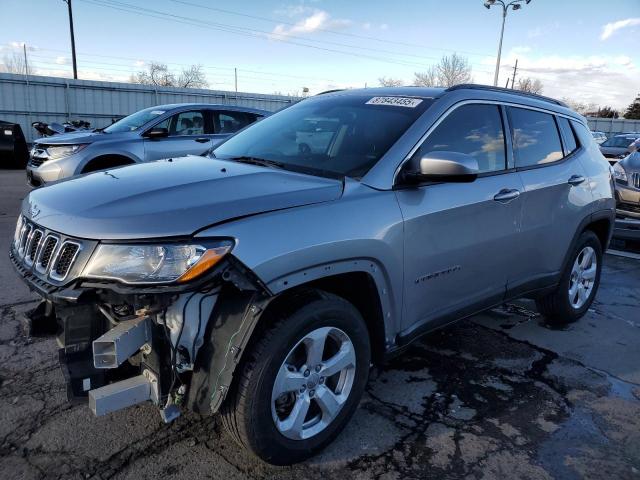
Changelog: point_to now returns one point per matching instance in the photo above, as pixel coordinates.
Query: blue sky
(586, 50)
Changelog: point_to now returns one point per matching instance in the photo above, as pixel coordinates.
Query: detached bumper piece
(124, 393)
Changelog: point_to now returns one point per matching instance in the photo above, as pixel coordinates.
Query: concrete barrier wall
(24, 100)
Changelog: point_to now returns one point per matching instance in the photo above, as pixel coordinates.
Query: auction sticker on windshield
(395, 101)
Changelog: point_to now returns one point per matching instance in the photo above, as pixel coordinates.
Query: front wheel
(578, 284)
(302, 380)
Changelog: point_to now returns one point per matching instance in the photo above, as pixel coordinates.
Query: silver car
(263, 282)
(158, 132)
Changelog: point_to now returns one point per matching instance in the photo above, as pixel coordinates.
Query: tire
(557, 306)
(249, 412)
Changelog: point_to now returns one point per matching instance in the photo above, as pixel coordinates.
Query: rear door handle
(576, 180)
(506, 195)
(202, 139)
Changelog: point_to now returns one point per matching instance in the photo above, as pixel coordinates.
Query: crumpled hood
(170, 198)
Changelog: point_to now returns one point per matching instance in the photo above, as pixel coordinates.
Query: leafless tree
(429, 78)
(14, 63)
(581, 107)
(451, 70)
(529, 85)
(192, 77)
(390, 82)
(160, 75)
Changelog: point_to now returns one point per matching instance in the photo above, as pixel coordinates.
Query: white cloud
(139, 63)
(318, 20)
(602, 80)
(611, 28)
(62, 61)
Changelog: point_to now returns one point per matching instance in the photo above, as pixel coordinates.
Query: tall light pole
(73, 40)
(515, 5)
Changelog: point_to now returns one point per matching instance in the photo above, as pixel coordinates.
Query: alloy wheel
(583, 277)
(313, 383)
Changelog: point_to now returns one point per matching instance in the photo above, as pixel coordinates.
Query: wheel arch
(601, 223)
(106, 160)
(240, 315)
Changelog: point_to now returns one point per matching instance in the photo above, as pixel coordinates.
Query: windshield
(135, 120)
(334, 136)
(622, 142)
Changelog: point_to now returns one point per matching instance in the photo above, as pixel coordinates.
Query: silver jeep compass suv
(262, 282)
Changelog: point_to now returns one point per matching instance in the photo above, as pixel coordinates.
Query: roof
(423, 92)
(172, 106)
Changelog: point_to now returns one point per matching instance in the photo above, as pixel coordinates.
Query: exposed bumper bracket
(122, 341)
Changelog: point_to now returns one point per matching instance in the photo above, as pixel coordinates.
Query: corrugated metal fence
(25, 100)
(613, 126)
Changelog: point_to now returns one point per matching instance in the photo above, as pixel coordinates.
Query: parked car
(599, 137)
(150, 134)
(617, 147)
(262, 282)
(627, 176)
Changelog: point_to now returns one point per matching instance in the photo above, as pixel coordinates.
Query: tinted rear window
(535, 137)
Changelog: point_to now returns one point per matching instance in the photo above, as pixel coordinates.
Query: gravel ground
(501, 395)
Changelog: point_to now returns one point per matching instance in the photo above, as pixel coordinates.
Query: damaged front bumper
(175, 347)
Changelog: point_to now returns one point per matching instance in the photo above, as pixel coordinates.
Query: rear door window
(231, 122)
(535, 137)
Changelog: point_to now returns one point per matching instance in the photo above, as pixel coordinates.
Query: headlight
(18, 231)
(619, 173)
(60, 151)
(154, 263)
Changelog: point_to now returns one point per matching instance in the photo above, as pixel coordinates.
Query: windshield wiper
(258, 161)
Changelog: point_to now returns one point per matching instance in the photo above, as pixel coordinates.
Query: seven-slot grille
(634, 180)
(50, 254)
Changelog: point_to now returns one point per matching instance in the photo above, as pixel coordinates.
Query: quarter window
(535, 137)
(569, 137)
(472, 129)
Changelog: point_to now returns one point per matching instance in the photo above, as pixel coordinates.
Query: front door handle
(576, 180)
(202, 139)
(506, 195)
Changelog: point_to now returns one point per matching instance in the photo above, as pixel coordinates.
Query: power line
(326, 30)
(245, 31)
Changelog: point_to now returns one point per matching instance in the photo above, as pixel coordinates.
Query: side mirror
(442, 167)
(157, 133)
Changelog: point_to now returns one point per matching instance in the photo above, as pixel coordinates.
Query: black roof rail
(475, 86)
(330, 91)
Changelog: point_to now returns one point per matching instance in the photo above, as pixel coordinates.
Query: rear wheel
(578, 284)
(301, 382)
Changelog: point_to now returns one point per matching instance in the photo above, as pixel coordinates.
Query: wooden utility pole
(513, 80)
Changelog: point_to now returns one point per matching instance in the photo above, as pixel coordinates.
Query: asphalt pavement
(502, 395)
